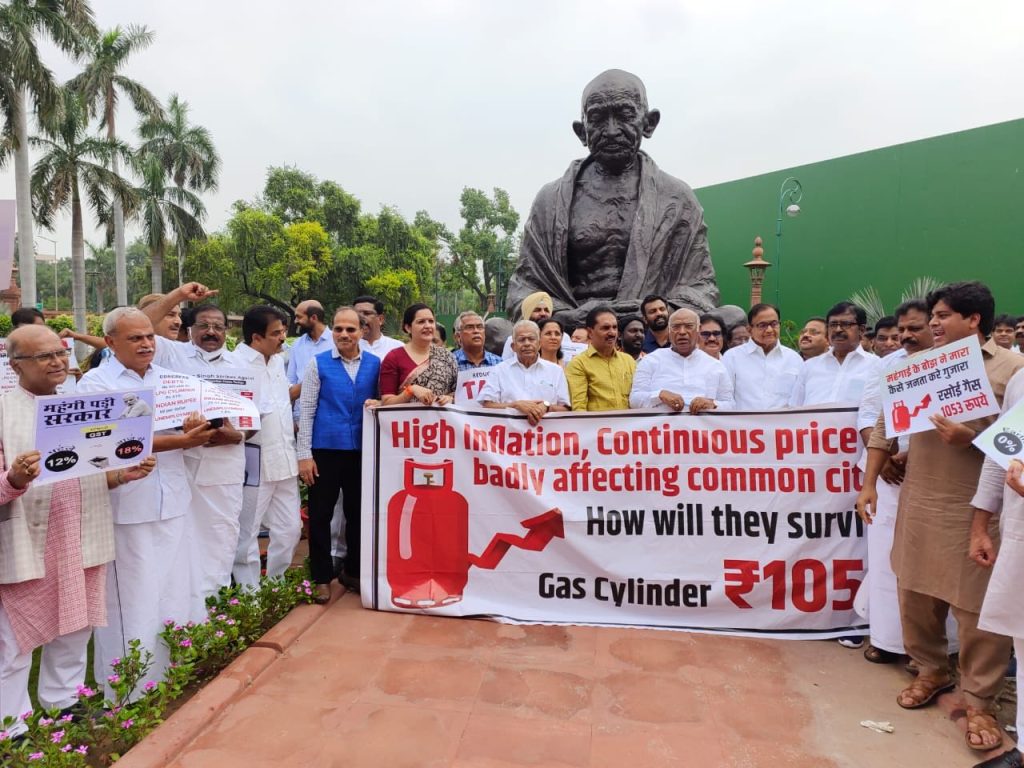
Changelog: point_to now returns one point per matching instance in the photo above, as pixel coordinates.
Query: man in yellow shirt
(600, 378)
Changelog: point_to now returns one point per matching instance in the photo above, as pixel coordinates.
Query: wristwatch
(547, 406)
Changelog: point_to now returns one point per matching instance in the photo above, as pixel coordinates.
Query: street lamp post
(790, 194)
(56, 300)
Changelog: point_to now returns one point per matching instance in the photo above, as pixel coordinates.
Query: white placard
(949, 380)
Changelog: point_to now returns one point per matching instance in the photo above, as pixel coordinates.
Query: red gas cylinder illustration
(428, 538)
(901, 414)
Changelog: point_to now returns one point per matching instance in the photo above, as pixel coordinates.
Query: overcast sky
(405, 103)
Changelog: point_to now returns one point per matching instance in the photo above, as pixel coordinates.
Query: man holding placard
(51, 587)
(933, 530)
(146, 583)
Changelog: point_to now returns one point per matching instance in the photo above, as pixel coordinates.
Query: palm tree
(74, 164)
(100, 83)
(164, 210)
(23, 76)
(185, 152)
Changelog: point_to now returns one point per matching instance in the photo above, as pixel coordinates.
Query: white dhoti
(213, 535)
(61, 671)
(147, 584)
(883, 600)
(275, 505)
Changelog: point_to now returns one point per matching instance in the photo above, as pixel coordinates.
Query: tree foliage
(483, 254)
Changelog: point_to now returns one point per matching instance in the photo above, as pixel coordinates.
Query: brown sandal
(979, 722)
(923, 690)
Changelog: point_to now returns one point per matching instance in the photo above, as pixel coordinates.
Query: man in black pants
(335, 388)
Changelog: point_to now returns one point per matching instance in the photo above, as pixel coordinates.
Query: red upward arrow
(540, 531)
(924, 404)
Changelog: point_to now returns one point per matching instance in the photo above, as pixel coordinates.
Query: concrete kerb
(184, 726)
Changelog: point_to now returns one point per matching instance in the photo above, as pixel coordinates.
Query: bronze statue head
(615, 119)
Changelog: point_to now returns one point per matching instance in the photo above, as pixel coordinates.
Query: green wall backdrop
(950, 207)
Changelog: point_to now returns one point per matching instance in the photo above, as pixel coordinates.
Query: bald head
(310, 316)
(27, 337)
(615, 82)
(615, 119)
(39, 358)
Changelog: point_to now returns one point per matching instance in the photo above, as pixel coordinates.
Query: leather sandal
(879, 655)
(923, 690)
(322, 594)
(979, 722)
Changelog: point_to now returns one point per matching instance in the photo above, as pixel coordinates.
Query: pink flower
(45, 721)
(36, 756)
(84, 690)
(230, 622)
(57, 737)
(26, 715)
(114, 679)
(309, 591)
(149, 686)
(218, 633)
(233, 601)
(221, 617)
(4, 735)
(67, 718)
(114, 662)
(127, 723)
(66, 748)
(186, 643)
(81, 749)
(168, 622)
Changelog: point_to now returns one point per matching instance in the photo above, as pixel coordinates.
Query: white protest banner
(177, 395)
(80, 435)
(1003, 441)
(723, 522)
(471, 383)
(949, 380)
(241, 381)
(238, 381)
(9, 379)
(218, 403)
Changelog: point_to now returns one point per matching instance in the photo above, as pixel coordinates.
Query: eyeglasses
(210, 327)
(46, 357)
(766, 325)
(836, 325)
(710, 335)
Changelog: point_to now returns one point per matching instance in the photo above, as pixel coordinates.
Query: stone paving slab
(365, 688)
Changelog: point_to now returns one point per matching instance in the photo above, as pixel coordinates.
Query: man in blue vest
(334, 392)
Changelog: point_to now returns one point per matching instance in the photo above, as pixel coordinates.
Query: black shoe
(339, 566)
(1009, 759)
(351, 583)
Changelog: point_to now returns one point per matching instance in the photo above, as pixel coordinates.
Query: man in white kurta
(1003, 610)
(275, 501)
(146, 583)
(681, 376)
(762, 370)
(55, 542)
(215, 470)
(526, 383)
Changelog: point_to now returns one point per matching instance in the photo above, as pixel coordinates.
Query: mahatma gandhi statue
(615, 227)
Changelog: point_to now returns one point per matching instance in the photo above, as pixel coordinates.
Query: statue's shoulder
(551, 191)
(666, 182)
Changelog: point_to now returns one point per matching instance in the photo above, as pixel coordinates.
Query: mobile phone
(217, 423)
